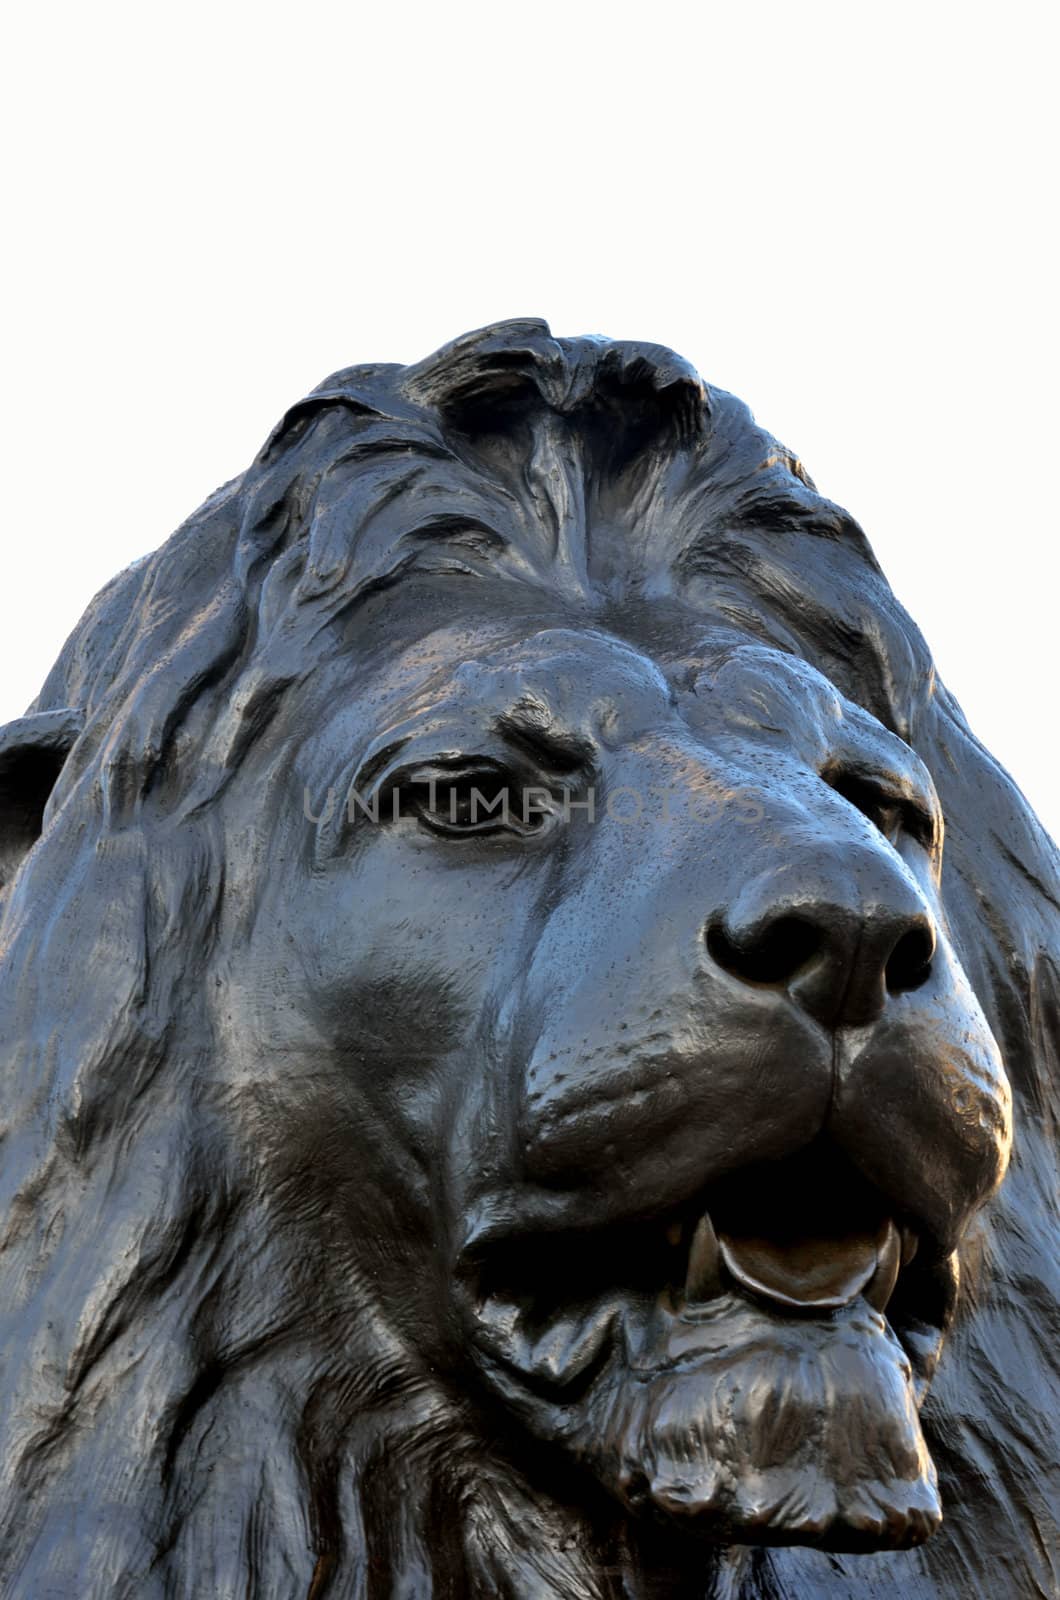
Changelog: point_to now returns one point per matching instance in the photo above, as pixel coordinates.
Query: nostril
(909, 964)
(773, 955)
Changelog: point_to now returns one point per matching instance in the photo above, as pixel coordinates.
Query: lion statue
(529, 1035)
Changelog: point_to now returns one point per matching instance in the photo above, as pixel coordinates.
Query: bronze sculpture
(508, 1032)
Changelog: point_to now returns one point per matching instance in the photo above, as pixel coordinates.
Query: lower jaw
(741, 1425)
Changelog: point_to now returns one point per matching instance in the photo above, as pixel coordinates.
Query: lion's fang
(703, 1278)
(880, 1287)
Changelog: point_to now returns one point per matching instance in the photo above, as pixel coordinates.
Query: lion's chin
(750, 1427)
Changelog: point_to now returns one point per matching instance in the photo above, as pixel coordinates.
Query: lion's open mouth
(754, 1361)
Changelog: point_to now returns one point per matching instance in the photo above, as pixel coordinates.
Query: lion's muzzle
(750, 992)
(759, 1107)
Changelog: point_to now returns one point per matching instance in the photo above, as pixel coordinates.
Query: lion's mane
(175, 1422)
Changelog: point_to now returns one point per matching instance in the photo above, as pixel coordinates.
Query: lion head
(519, 993)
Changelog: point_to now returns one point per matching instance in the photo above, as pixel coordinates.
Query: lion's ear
(32, 753)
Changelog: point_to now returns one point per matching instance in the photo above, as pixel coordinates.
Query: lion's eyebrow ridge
(532, 727)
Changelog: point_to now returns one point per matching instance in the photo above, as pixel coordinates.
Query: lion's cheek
(677, 1100)
(926, 1106)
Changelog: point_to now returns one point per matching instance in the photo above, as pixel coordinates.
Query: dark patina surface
(528, 1034)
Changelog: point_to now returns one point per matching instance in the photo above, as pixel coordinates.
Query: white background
(844, 213)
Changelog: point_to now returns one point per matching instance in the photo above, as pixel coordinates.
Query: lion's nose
(838, 935)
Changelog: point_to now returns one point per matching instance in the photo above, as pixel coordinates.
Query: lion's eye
(474, 802)
(891, 813)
